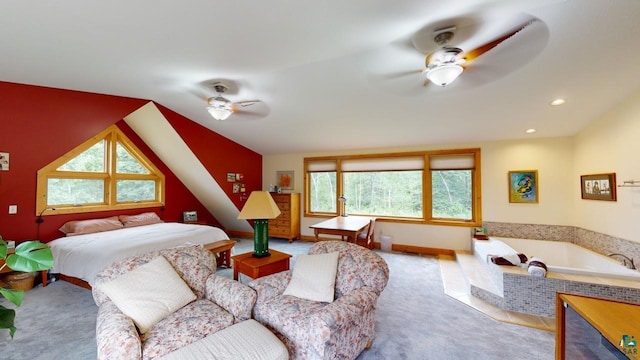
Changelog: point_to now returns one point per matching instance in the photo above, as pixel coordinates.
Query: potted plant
(29, 256)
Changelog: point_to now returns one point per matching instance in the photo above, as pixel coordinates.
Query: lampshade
(219, 108)
(444, 74)
(260, 205)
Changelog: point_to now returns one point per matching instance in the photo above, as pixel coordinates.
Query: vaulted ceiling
(336, 74)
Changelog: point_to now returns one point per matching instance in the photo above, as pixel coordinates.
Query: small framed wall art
(4, 161)
(189, 216)
(598, 186)
(523, 186)
(285, 179)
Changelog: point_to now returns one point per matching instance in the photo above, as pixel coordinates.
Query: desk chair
(365, 238)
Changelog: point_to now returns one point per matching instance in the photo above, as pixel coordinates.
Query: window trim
(427, 218)
(112, 135)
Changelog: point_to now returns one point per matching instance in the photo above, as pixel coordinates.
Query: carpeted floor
(415, 319)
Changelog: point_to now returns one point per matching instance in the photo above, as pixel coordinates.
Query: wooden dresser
(287, 225)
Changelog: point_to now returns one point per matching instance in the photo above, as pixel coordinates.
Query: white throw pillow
(314, 277)
(148, 293)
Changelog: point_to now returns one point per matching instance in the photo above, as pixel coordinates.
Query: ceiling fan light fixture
(444, 74)
(219, 108)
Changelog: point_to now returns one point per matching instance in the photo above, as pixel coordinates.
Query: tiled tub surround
(568, 258)
(521, 292)
(600, 243)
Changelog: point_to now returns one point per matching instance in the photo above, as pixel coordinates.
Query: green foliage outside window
(438, 187)
(452, 194)
(91, 160)
(391, 193)
(322, 191)
(75, 191)
(135, 190)
(127, 164)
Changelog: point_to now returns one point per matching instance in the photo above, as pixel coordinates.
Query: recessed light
(530, 131)
(558, 101)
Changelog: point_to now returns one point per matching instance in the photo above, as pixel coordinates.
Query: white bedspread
(83, 256)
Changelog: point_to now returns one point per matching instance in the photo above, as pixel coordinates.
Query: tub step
(477, 276)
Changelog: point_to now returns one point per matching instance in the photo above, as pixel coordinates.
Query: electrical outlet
(13, 209)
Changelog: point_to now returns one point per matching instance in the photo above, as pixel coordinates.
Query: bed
(80, 257)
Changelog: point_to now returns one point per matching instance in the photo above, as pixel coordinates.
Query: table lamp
(343, 205)
(260, 207)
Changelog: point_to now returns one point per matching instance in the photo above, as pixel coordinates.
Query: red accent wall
(219, 155)
(40, 124)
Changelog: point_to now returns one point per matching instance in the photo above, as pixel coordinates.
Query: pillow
(314, 277)
(147, 218)
(78, 227)
(148, 293)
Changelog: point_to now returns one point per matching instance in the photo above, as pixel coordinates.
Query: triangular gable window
(126, 163)
(104, 173)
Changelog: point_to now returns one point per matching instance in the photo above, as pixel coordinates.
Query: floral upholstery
(221, 302)
(317, 330)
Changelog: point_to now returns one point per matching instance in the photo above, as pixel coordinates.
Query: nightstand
(255, 267)
(196, 222)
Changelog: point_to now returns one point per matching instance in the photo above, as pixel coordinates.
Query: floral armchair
(220, 302)
(341, 329)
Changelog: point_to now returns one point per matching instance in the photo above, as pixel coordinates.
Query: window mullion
(110, 182)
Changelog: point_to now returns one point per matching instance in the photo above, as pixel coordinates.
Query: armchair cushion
(220, 303)
(314, 277)
(149, 293)
(319, 330)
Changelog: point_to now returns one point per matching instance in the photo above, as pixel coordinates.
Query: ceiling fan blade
(472, 54)
(260, 110)
(246, 103)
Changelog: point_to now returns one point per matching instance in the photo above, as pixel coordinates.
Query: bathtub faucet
(626, 261)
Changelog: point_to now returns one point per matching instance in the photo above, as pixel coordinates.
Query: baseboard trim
(397, 247)
(394, 247)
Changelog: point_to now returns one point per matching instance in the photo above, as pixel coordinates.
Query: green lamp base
(261, 238)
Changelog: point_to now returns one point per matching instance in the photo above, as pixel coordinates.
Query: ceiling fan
(220, 108)
(475, 48)
(444, 65)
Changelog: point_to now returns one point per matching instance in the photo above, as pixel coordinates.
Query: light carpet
(414, 319)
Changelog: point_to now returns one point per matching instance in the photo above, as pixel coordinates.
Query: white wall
(611, 144)
(551, 157)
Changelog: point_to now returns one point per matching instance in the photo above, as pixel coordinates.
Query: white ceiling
(335, 74)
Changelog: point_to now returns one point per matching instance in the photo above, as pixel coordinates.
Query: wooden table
(345, 226)
(612, 319)
(255, 267)
(222, 249)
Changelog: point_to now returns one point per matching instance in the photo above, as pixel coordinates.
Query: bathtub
(565, 257)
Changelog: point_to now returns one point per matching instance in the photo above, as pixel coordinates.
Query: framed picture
(4, 161)
(231, 177)
(523, 186)
(598, 186)
(189, 216)
(284, 179)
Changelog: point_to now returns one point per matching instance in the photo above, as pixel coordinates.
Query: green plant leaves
(3, 248)
(15, 296)
(7, 317)
(31, 256)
